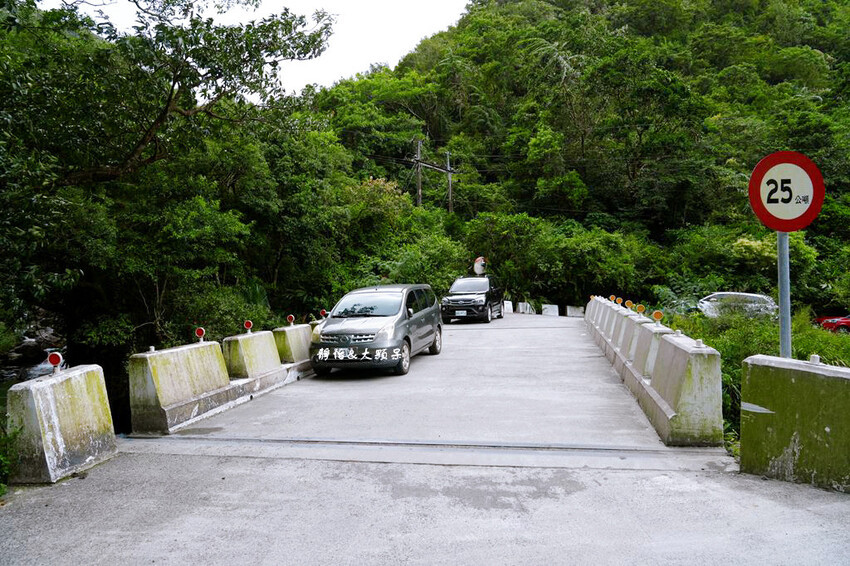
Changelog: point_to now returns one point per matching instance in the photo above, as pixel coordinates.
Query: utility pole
(418, 172)
(449, 169)
(419, 164)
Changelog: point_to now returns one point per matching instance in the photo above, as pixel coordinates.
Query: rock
(30, 351)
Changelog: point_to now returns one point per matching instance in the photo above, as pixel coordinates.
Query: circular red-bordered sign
(323, 312)
(199, 332)
(54, 358)
(290, 318)
(786, 191)
(248, 325)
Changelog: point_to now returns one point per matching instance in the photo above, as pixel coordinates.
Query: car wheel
(321, 372)
(437, 346)
(403, 365)
(489, 316)
(843, 329)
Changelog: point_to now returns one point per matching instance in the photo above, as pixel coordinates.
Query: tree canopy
(159, 178)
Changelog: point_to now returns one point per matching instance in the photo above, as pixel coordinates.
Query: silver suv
(749, 304)
(378, 327)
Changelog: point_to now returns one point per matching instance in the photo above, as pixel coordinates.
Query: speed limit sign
(786, 191)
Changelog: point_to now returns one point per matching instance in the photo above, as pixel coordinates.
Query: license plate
(353, 354)
(460, 313)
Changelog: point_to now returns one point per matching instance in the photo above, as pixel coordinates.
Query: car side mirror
(409, 312)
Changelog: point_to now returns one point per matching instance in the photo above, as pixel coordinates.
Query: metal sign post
(786, 192)
(783, 261)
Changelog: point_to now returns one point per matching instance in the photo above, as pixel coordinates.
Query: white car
(750, 304)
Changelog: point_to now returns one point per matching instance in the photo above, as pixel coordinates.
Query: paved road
(516, 445)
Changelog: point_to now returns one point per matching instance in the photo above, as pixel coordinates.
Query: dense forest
(156, 179)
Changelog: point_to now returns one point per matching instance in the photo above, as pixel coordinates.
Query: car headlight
(316, 336)
(831, 320)
(385, 333)
(480, 301)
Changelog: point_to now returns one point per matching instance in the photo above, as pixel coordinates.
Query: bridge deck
(521, 391)
(523, 379)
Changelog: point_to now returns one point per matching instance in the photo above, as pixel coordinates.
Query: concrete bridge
(519, 444)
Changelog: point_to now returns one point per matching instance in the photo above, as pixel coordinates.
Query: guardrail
(676, 380)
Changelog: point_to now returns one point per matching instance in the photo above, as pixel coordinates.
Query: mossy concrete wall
(687, 376)
(676, 381)
(251, 355)
(173, 377)
(795, 421)
(65, 424)
(293, 342)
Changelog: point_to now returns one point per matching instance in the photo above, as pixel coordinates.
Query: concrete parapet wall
(795, 424)
(628, 341)
(575, 311)
(686, 374)
(676, 381)
(613, 316)
(250, 355)
(550, 310)
(293, 342)
(172, 388)
(647, 338)
(65, 424)
(622, 320)
(172, 378)
(525, 308)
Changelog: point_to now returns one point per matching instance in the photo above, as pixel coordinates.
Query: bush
(8, 339)
(537, 258)
(220, 310)
(435, 259)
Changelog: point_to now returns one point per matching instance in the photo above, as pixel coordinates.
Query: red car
(835, 323)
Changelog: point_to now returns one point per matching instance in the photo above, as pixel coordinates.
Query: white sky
(365, 32)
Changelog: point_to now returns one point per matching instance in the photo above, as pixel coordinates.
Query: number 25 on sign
(786, 191)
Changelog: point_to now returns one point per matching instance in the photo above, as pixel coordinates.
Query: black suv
(477, 298)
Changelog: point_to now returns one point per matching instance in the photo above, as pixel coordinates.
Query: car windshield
(367, 304)
(470, 286)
